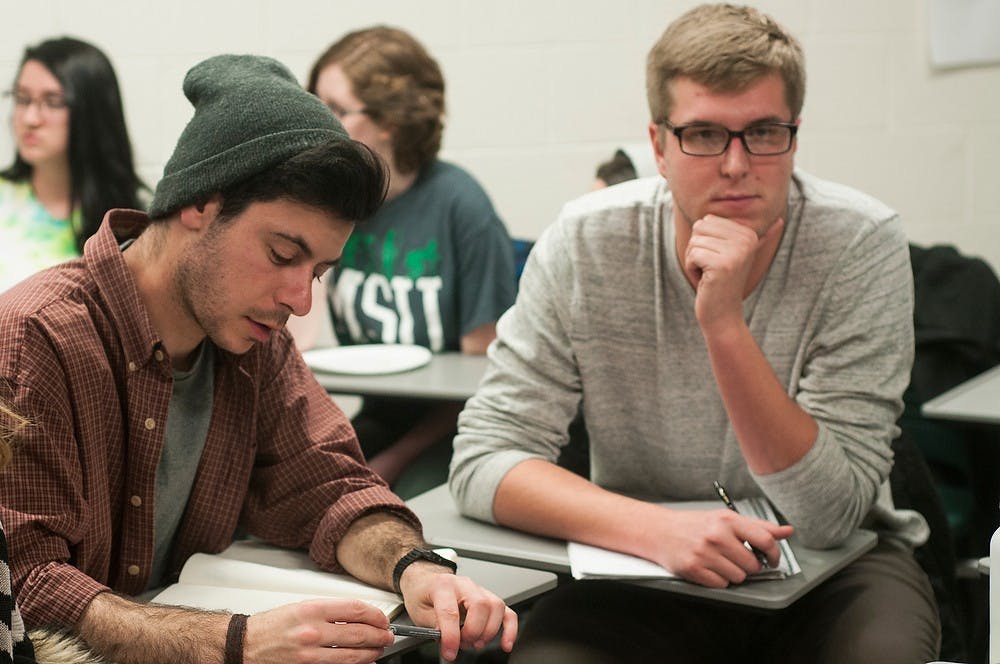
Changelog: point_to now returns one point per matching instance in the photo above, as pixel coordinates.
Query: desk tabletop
(451, 376)
(444, 526)
(975, 400)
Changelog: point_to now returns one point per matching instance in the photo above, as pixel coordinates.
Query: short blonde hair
(726, 48)
(11, 425)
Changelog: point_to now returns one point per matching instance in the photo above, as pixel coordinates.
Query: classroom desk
(512, 584)
(975, 400)
(450, 375)
(444, 526)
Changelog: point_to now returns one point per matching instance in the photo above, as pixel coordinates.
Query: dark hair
(399, 83)
(342, 177)
(617, 169)
(102, 173)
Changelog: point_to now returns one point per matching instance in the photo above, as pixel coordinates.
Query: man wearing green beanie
(169, 405)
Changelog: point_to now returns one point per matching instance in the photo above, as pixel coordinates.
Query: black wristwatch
(413, 556)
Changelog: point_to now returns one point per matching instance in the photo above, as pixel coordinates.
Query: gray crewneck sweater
(605, 322)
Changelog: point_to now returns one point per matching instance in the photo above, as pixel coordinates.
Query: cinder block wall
(540, 91)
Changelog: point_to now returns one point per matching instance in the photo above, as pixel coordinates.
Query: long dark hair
(102, 172)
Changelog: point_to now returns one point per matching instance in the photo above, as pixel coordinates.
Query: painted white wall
(541, 91)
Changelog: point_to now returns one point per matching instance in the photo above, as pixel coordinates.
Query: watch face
(434, 557)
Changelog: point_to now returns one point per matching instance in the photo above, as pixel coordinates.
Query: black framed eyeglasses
(763, 139)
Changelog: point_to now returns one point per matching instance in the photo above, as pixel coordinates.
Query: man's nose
(736, 159)
(296, 294)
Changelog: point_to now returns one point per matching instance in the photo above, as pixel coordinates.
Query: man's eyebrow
(761, 120)
(769, 118)
(298, 241)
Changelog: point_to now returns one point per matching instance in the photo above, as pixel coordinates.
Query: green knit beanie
(250, 114)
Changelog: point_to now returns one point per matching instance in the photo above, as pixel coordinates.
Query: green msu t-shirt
(432, 265)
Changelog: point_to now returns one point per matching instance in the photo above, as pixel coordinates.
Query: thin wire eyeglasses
(47, 103)
(341, 113)
(763, 139)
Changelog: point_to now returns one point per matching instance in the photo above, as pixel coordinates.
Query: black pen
(724, 497)
(413, 630)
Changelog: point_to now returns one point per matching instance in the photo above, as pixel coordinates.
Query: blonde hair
(11, 425)
(726, 48)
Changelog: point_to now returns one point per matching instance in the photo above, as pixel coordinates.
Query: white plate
(369, 359)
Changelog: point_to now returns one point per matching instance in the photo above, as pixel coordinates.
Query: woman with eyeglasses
(73, 161)
(434, 267)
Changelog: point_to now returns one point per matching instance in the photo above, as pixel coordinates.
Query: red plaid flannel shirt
(80, 358)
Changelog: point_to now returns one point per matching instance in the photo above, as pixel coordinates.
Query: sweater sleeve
(853, 375)
(531, 391)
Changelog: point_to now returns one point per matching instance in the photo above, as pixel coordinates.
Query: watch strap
(412, 556)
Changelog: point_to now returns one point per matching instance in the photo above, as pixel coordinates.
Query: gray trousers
(879, 609)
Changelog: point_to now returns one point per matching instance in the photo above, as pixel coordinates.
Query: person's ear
(658, 138)
(199, 216)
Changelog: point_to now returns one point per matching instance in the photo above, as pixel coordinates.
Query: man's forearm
(540, 497)
(127, 632)
(373, 545)
(705, 547)
(773, 431)
(478, 340)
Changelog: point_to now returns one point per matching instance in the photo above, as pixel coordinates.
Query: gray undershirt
(188, 418)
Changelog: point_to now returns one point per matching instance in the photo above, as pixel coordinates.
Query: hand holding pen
(724, 497)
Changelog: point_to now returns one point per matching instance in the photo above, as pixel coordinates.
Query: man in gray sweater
(752, 325)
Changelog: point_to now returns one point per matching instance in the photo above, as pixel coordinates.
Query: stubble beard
(196, 290)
